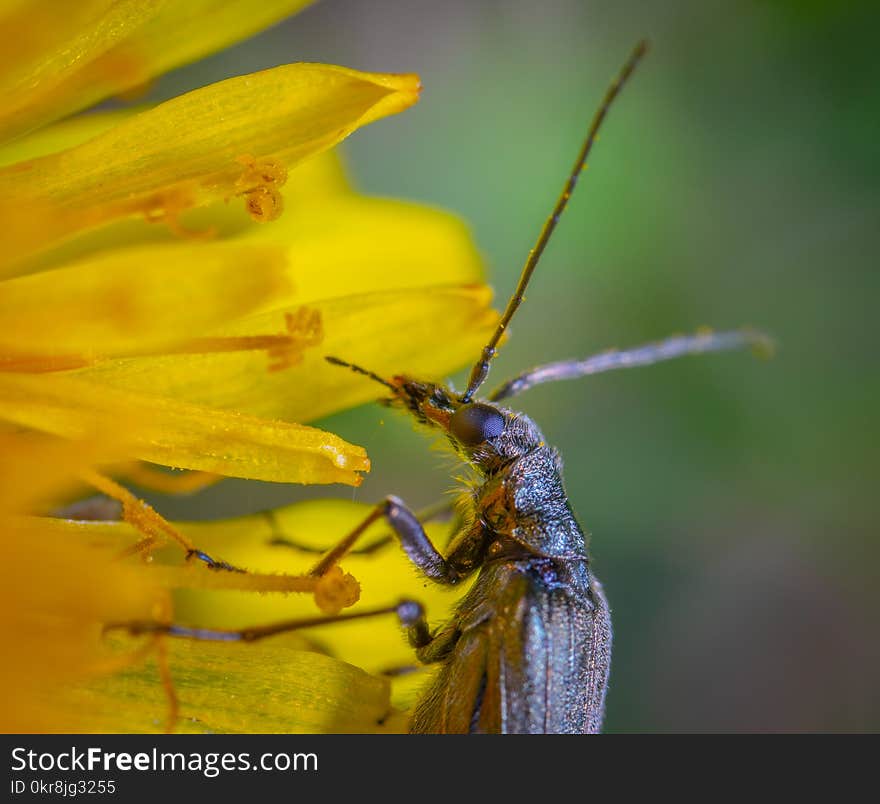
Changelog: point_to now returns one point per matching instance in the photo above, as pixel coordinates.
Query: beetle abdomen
(539, 664)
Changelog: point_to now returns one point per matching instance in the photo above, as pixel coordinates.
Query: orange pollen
(259, 183)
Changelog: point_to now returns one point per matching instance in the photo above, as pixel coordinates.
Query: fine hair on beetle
(528, 647)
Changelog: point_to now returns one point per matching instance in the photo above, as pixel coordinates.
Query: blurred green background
(732, 501)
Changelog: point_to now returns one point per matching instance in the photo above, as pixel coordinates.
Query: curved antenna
(481, 369)
(358, 370)
(676, 346)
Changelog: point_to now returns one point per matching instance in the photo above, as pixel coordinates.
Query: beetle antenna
(358, 370)
(702, 342)
(481, 369)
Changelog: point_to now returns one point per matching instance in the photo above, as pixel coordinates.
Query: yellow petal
(182, 435)
(426, 332)
(234, 138)
(62, 57)
(352, 244)
(133, 301)
(330, 592)
(385, 576)
(62, 135)
(37, 468)
(60, 584)
(310, 197)
(56, 594)
(45, 43)
(265, 687)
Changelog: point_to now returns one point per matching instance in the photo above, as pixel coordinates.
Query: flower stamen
(333, 591)
(140, 515)
(259, 183)
(303, 330)
(167, 206)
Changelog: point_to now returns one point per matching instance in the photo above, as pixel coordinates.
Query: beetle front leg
(409, 612)
(280, 539)
(412, 537)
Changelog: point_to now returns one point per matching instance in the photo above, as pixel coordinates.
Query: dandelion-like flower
(170, 281)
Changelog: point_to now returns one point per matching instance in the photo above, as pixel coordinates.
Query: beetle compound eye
(474, 424)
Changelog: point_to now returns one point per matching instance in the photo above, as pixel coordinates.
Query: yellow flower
(64, 582)
(56, 590)
(170, 281)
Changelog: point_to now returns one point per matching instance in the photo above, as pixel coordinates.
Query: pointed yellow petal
(59, 60)
(181, 435)
(133, 301)
(236, 138)
(426, 332)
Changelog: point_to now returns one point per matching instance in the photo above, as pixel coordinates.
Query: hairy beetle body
(528, 649)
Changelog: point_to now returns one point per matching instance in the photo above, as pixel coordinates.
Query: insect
(528, 648)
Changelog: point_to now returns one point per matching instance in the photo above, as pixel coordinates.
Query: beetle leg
(280, 539)
(452, 703)
(409, 612)
(438, 646)
(411, 535)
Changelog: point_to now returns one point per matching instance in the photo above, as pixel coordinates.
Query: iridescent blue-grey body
(528, 648)
(531, 655)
